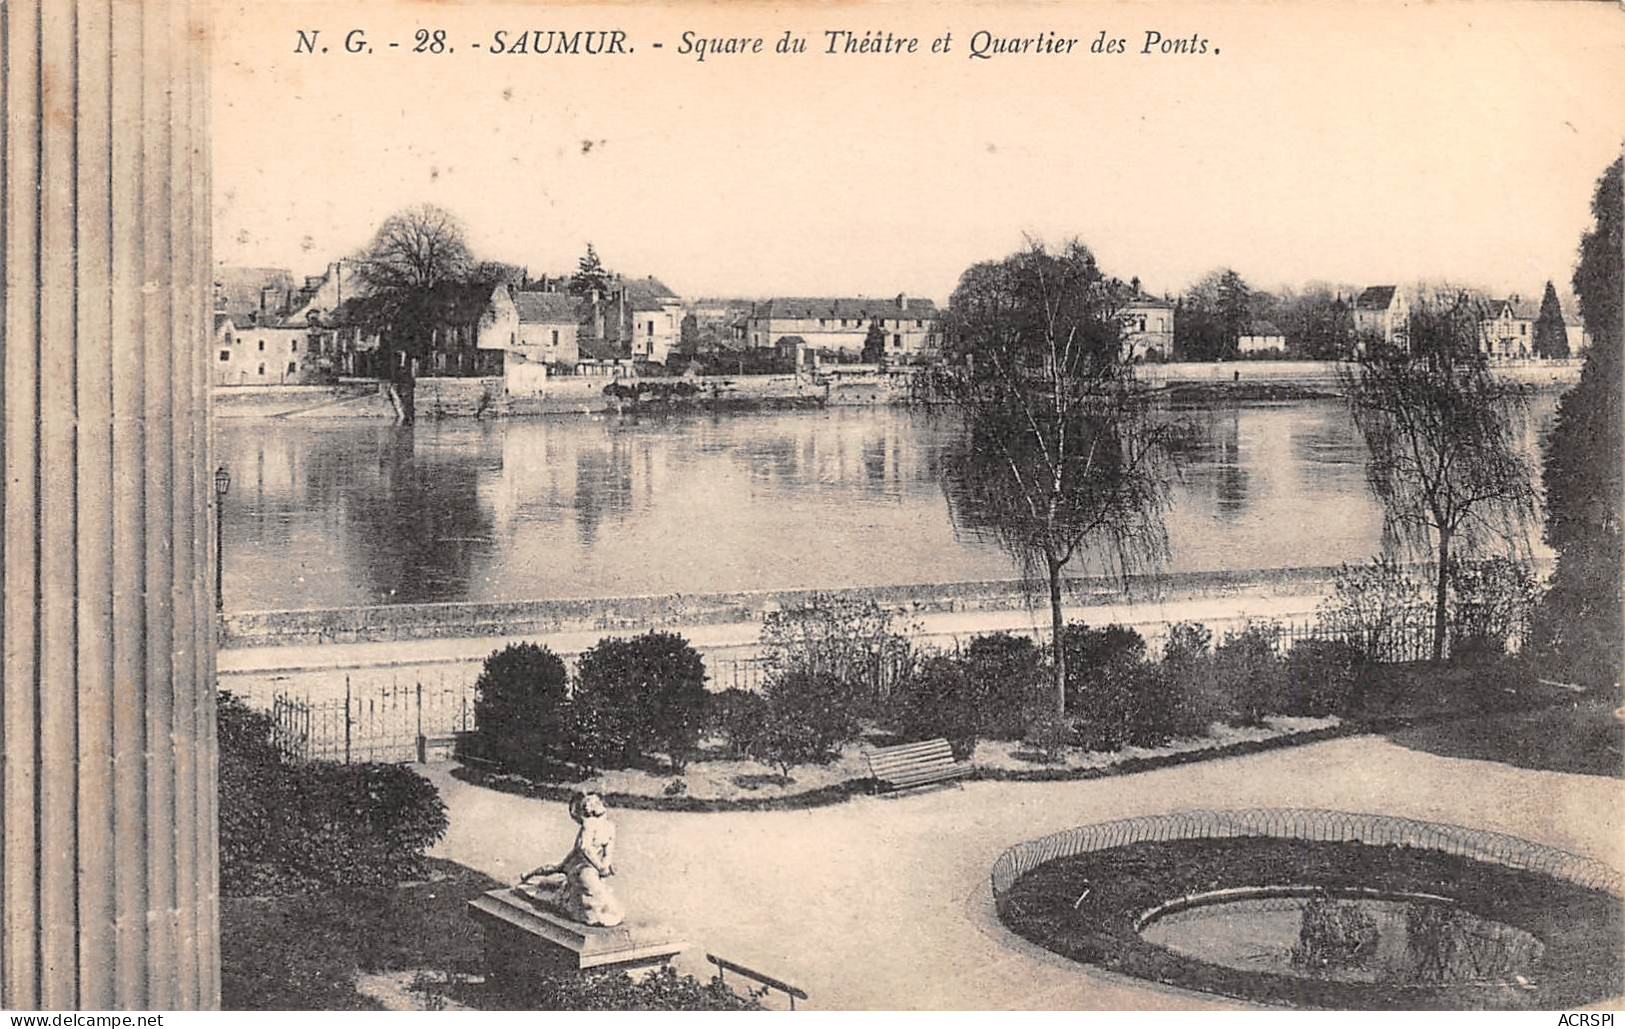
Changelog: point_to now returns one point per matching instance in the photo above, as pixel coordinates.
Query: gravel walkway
(883, 903)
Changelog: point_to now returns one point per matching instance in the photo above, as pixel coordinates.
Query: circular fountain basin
(1351, 936)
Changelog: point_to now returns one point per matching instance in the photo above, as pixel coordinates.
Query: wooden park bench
(912, 765)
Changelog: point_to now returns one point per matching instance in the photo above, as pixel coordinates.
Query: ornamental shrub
(644, 695)
(1112, 696)
(1250, 676)
(521, 709)
(1324, 677)
(597, 990)
(1011, 682)
(1187, 681)
(740, 717)
(811, 715)
(288, 828)
(942, 698)
(853, 640)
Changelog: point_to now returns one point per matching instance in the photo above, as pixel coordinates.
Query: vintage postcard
(866, 506)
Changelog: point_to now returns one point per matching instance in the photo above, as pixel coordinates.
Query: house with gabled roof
(1382, 312)
(549, 324)
(1507, 327)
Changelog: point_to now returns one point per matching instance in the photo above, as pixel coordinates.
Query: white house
(1260, 337)
(1507, 328)
(1382, 312)
(548, 327)
(1148, 323)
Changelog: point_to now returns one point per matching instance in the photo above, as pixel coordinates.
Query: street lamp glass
(222, 481)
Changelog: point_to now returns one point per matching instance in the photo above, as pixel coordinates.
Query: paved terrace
(884, 903)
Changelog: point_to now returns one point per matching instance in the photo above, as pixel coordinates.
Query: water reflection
(339, 515)
(1365, 940)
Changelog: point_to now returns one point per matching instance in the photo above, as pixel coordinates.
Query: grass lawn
(1499, 713)
(304, 951)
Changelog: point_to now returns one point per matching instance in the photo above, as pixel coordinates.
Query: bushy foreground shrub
(521, 708)
(639, 696)
(663, 990)
(739, 717)
(811, 715)
(292, 827)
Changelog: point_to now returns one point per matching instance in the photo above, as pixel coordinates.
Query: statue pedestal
(522, 935)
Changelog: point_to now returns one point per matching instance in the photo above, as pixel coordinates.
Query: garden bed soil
(716, 785)
(1088, 908)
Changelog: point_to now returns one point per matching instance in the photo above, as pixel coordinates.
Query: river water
(339, 515)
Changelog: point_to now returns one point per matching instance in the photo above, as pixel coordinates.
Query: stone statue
(580, 891)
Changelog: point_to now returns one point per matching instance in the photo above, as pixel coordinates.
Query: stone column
(108, 872)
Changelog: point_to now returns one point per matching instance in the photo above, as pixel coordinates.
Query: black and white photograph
(871, 506)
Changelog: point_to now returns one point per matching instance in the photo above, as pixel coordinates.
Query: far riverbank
(836, 385)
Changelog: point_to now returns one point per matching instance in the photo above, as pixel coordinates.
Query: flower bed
(734, 785)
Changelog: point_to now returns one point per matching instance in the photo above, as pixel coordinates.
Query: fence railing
(384, 725)
(1302, 824)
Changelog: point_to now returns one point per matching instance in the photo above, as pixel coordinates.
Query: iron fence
(387, 724)
(1302, 824)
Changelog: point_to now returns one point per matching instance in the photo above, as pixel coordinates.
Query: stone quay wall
(386, 623)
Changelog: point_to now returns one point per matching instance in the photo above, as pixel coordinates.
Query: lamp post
(222, 483)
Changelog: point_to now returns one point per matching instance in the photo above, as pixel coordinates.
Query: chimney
(597, 315)
(902, 301)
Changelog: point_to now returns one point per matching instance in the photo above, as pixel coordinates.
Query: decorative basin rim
(1315, 824)
(1209, 898)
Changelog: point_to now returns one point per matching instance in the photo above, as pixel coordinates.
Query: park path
(319, 670)
(883, 904)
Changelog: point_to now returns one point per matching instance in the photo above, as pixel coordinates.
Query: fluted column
(108, 879)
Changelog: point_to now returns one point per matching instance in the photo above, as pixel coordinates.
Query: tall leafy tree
(1551, 335)
(1580, 620)
(1443, 435)
(1061, 459)
(415, 251)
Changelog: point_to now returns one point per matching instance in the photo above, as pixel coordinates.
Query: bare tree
(1444, 436)
(1062, 458)
(414, 252)
(414, 249)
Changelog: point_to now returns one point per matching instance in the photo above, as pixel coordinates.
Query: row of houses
(1506, 324)
(271, 329)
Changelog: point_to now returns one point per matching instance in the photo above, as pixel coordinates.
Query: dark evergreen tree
(1580, 621)
(874, 344)
(590, 276)
(1551, 336)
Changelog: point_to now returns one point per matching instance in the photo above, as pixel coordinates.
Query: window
(293, 366)
(225, 355)
(262, 346)
(897, 341)
(294, 346)
(555, 337)
(262, 369)
(651, 330)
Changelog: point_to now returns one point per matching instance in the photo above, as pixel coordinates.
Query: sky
(1353, 143)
